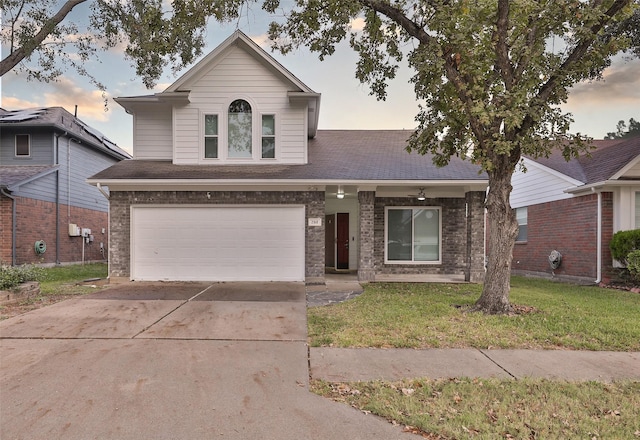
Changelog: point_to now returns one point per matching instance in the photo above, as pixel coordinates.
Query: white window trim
(275, 136)
(523, 224)
(15, 146)
(386, 238)
(223, 140)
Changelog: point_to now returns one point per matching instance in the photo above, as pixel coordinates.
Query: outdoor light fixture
(421, 195)
(340, 194)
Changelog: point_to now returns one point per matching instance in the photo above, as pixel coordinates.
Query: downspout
(57, 162)
(104, 193)
(13, 225)
(599, 241)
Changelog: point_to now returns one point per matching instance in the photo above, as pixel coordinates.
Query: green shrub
(623, 242)
(633, 264)
(12, 276)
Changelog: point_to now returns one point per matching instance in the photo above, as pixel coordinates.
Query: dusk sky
(346, 104)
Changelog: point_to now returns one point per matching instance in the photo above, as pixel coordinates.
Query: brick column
(475, 237)
(366, 262)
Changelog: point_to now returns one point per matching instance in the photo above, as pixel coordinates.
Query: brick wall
(455, 258)
(366, 260)
(6, 225)
(121, 202)
(570, 227)
(36, 220)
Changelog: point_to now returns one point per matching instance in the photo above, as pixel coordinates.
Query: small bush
(12, 276)
(633, 264)
(624, 242)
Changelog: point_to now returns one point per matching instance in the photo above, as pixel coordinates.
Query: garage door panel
(218, 243)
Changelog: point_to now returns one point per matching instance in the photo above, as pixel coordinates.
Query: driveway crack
(170, 312)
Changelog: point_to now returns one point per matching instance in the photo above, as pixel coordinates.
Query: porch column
(366, 261)
(475, 237)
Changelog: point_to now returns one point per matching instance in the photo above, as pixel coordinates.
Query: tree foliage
(42, 41)
(622, 132)
(489, 74)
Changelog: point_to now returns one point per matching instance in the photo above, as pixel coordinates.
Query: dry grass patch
(498, 409)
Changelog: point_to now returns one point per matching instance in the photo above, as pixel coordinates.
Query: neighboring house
(574, 208)
(46, 155)
(231, 180)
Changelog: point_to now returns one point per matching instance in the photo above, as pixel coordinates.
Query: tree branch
(28, 47)
(576, 55)
(502, 50)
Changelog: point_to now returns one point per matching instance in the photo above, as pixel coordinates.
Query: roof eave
(599, 186)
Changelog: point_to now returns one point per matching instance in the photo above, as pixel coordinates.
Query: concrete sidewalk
(364, 364)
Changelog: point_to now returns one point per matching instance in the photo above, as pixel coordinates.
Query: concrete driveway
(170, 361)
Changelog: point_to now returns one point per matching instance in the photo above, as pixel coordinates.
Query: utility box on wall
(74, 230)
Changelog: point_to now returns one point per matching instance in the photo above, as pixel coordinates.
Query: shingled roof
(61, 119)
(600, 164)
(341, 155)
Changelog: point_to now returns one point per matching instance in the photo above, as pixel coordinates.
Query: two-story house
(48, 212)
(232, 181)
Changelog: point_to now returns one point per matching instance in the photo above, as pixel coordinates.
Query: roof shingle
(346, 155)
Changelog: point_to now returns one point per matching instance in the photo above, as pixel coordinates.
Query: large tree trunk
(503, 230)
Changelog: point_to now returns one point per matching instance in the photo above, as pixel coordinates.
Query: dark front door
(330, 240)
(342, 240)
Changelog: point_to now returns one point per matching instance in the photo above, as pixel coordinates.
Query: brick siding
(570, 227)
(462, 237)
(36, 220)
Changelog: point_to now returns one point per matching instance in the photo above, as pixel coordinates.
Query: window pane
(522, 218)
(211, 125)
(426, 231)
(399, 234)
(240, 126)
(637, 210)
(211, 147)
(268, 125)
(22, 145)
(268, 148)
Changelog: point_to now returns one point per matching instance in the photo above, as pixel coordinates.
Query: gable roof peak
(241, 40)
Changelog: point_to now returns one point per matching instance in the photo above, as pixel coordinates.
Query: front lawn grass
(550, 315)
(57, 284)
(498, 409)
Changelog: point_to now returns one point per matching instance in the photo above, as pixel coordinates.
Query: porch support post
(475, 236)
(366, 260)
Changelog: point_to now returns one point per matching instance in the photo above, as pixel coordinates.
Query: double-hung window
(268, 136)
(23, 145)
(413, 235)
(637, 213)
(521, 217)
(211, 136)
(235, 134)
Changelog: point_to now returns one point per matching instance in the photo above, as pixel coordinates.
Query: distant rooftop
(59, 118)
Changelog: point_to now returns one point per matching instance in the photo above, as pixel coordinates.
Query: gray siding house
(48, 212)
(232, 181)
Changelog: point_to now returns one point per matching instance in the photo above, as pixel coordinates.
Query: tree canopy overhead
(41, 39)
(490, 74)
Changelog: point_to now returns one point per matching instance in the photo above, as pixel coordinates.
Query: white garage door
(198, 243)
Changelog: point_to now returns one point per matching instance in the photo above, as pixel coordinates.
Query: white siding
(633, 172)
(238, 75)
(538, 185)
(152, 133)
(624, 207)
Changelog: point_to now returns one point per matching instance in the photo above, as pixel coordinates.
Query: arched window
(240, 128)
